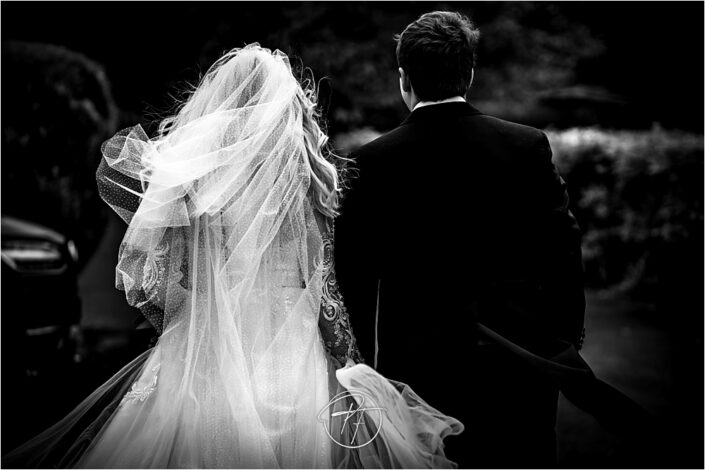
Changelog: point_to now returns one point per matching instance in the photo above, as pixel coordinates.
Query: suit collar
(440, 111)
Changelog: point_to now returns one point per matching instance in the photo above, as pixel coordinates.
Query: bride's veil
(223, 254)
(228, 176)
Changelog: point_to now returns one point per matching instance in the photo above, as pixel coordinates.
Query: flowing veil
(224, 255)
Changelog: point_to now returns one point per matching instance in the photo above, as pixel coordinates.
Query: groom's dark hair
(437, 52)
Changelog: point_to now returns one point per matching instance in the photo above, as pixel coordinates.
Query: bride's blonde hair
(326, 186)
(323, 164)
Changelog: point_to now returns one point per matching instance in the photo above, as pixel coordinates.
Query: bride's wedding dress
(226, 255)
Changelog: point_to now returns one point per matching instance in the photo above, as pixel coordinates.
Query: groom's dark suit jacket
(456, 217)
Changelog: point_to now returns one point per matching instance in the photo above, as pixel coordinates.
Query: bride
(228, 254)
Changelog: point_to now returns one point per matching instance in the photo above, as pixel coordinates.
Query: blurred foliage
(541, 63)
(638, 196)
(525, 50)
(564, 64)
(346, 142)
(57, 113)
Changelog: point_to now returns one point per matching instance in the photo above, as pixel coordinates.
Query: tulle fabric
(223, 254)
(63, 444)
(409, 432)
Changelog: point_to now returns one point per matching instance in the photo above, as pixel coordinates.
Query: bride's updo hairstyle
(255, 77)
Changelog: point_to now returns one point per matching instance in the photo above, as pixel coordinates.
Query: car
(41, 307)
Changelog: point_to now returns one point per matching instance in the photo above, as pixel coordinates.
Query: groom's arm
(562, 270)
(356, 231)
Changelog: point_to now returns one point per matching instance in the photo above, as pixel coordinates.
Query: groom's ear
(404, 80)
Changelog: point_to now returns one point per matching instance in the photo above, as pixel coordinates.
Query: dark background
(618, 87)
(648, 55)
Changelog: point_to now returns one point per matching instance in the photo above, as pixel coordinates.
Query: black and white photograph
(355, 234)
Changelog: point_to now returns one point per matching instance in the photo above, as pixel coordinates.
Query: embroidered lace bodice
(163, 281)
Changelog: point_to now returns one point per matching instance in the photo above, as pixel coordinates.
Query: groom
(457, 219)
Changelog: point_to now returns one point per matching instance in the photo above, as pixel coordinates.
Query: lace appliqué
(161, 281)
(334, 320)
(140, 394)
(154, 268)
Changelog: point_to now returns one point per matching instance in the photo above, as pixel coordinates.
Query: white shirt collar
(454, 99)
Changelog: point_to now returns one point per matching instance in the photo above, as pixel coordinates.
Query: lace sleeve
(156, 279)
(153, 281)
(333, 321)
(164, 283)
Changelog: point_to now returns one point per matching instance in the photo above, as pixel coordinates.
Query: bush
(57, 110)
(638, 197)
